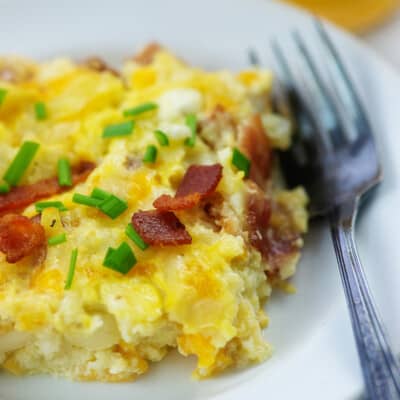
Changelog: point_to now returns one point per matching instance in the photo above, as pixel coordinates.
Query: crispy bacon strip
(271, 244)
(20, 237)
(200, 181)
(168, 203)
(22, 196)
(160, 228)
(146, 55)
(255, 144)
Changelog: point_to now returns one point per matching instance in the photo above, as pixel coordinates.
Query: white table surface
(385, 40)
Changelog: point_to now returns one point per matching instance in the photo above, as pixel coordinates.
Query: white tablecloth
(386, 40)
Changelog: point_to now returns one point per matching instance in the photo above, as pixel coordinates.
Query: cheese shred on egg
(205, 298)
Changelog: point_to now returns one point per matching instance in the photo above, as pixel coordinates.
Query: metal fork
(334, 157)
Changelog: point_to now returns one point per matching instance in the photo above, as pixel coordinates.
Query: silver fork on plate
(334, 157)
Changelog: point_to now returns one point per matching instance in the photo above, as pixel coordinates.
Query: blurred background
(377, 22)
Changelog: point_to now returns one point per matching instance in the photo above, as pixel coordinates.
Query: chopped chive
(58, 239)
(40, 111)
(85, 200)
(100, 194)
(161, 137)
(20, 163)
(40, 206)
(142, 108)
(121, 259)
(241, 162)
(71, 271)
(191, 122)
(106, 202)
(135, 237)
(64, 172)
(122, 129)
(150, 154)
(109, 257)
(4, 187)
(3, 94)
(113, 206)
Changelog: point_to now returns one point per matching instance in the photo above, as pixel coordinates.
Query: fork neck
(345, 215)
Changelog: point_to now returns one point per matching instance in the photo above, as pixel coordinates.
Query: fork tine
(308, 142)
(283, 64)
(337, 135)
(360, 112)
(253, 57)
(313, 137)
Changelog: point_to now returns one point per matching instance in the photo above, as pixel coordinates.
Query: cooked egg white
(206, 298)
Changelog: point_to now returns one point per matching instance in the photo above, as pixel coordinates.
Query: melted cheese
(206, 298)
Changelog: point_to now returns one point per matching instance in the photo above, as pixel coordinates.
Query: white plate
(314, 350)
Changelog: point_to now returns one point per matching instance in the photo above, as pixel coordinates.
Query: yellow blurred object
(356, 15)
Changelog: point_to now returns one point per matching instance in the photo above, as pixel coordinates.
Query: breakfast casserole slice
(139, 211)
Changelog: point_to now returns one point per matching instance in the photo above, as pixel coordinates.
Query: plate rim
(371, 55)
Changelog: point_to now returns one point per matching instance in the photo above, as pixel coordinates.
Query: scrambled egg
(205, 299)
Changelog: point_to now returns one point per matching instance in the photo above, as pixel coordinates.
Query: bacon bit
(132, 163)
(146, 55)
(221, 215)
(282, 246)
(15, 70)
(168, 203)
(22, 196)
(220, 112)
(280, 249)
(200, 181)
(8, 75)
(270, 243)
(255, 145)
(160, 228)
(258, 216)
(37, 218)
(20, 237)
(40, 255)
(99, 65)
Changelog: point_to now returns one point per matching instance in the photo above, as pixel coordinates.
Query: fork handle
(379, 366)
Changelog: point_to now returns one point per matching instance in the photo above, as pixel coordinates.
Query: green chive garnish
(4, 187)
(50, 204)
(106, 202)
(151, 154)
(122, 129)
(161, 137)
(191, 122)
(85, 200)
(20, 163)
(71, 272)
(241, 162)
(40, 111)
(3, 94)
(142, 108)
(135, 237)
(58, 239)
(100, 194)
(113, 206)
(121, 259)
(64, 172)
